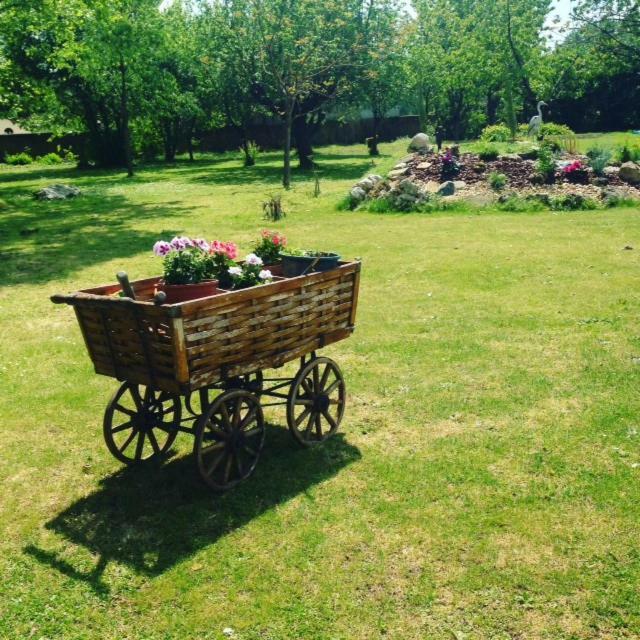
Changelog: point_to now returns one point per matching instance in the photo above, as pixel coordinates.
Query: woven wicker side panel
(129, 346)
(268, 331)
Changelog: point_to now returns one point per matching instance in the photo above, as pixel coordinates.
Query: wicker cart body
(223, 343)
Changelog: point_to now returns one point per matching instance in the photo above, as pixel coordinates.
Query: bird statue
(535, 124)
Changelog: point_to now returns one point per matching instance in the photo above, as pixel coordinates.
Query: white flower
(265, 274)
(253, 260)
(235, 271)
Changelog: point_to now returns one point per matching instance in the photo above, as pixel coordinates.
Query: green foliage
(497, 181)
(272, 209)
(627, 153)
(189, 266)
(488, 152)
(599, 158)
(550, 129)
(545, 165)
(22, 158)
(270, 247)
(496, 133)
(518, 204)
(50, 158)
(572, 202)
(251, 151)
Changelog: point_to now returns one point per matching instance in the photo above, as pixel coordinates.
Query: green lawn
(486, 481)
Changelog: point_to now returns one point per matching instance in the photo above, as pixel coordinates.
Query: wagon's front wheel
(316, 401)
(229, 437)
(140, 423)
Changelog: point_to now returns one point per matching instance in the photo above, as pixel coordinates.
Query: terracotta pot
(183, 292)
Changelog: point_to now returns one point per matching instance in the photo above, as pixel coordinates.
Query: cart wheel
(140, 423)
(316, 401)
(229, 438)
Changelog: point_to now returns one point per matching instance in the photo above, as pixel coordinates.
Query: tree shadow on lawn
(151, 518)
(44, 241)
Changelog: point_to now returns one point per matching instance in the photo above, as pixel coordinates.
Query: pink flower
(231, 250)
(202, 244)
(228, 249)
(162, 248)
(265, 274)
(181, 243)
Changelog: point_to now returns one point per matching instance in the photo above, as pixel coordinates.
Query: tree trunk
(190, 132)
(373, 141)
(302, 132)
(169, 139)
(286, 173)
(124, 119)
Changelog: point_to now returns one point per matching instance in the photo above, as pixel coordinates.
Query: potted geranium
(296, 262)
(191, 267)
(270, 247)
(249, 273)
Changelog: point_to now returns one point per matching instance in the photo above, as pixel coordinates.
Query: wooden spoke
(151, 414)
(122, 427)
(239, 440)
(316, 401)
(140, 445)
(128, 441)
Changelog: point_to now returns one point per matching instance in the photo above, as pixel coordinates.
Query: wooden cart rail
(186, 346)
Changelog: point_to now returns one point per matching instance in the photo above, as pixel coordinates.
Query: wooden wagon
(197, 366)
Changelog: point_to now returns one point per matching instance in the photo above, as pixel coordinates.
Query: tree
(383, 76)
(304, 52)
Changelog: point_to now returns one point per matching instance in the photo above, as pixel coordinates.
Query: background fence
(267, 136)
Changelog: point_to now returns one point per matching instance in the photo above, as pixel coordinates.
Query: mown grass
(485, 483)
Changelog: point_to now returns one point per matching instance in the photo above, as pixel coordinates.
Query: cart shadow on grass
(152, 518)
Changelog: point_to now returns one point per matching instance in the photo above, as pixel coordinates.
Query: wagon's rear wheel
(140, 423)
(229, 438)
(316, 401)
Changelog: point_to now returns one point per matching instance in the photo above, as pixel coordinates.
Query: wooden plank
(180, 352)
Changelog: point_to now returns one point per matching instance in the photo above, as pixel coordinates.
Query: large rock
(611, 171)
(358, 194)
(396, 173)
(630, 172)
(447, 188)
(57, 192)
(366, 184)
(419, 142)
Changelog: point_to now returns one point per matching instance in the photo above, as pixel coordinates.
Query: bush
(19, 158)
(50, 158)
(626, 153)
(516, 203)
(572, 202)
(487, 152)
(497, 181)
(496, 133)
(598, 159)
(553, 129)
(546, 166)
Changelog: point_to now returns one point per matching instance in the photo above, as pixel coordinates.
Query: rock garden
(548, 172)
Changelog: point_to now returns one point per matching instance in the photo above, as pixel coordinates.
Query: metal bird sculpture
(535, 124)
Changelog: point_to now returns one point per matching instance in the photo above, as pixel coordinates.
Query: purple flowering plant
(186, 260)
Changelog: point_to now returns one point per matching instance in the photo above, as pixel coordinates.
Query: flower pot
(293, 266)
(183, 292)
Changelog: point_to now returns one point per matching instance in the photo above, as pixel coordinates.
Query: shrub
(554, 129)
(572, 202)
(251, 151)
(626, 153)
(18, 158)
(546, 166)
(272, 209)
(497, 181)
(488, 152)
(496, 133)
(50, 158)
(598, 159)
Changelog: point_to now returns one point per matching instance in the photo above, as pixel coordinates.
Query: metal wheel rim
(140, 423)
(310, 420)
(229, 437)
